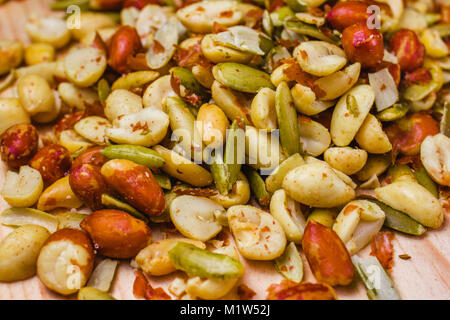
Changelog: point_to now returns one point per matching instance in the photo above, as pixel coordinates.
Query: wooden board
(424, 276)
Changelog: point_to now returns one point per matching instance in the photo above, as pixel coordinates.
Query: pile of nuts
(251, 130)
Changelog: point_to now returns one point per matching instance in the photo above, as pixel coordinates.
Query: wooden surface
(424, 276)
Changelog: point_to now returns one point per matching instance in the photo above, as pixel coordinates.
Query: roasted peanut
(124, 43)
(327, 256)
(52, 161)
(363, 45)
(66, 261)
(116, 234)
(19, 252)
(19, 144)
(88, 185)
(136, 184)
(408, 49)
(345, 14)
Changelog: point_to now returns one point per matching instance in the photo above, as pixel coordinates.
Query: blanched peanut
(357, 223)
(346, 159)
(11, 113)
(203, 75)
(65, 261)
(72, 141)
(289, 214)
(12, 55)
(211, 289)
(314, 137)
(323, 216)
(154, 259)
(19, 252)
(58, 195)
(338, 83)
(212, 124)
(38, 53)
(122, 102)
(91, 22)
(414, 200)
(48, 30)
(83, 67)
(320, 58)
(305, 100)
(93, 128)
(275, 180)
(183, 169)
(218, 53)
(435, 156)
(230, 101)
(195, 217)
(349, 114)
(239, 194)
(146, 127)
(152, 17)
(375, 165)
(199, 17)
(22, 189)
(76, 97)
(35, 94)
(317, 185)
(371, 136)
(263, 111)
(257, 234)
(156, 93)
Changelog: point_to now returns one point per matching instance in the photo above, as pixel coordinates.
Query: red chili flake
(445, 14)
(315, 11)
(288, 43)
(245, 292)
(415, 161)
(191, 57)
(404, 256)
(217, 27)
(137, 62)
(139, 126)
(142, 289)
(199, 192)
(226, 14)
(275, 5)
(295, 73)
(99, 43)
(254, 13)
(419, 76)
(158, 47)
(382, 248)
(289, 290)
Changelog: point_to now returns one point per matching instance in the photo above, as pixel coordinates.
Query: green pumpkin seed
(135, 80)
(103, 90)
(311, 30)
(237, 76)
(395, 112)
(297, 5)
(287, 119)
(290, 264)
(113, 203)
(22, 216)
(194, 92)
(257, 185)
(400, 172)
(280, 15)
(137, 154)
(203, 263)
(163, 180)
(219, 172)
(443, 29)
(267, 23)
(88, 293)
(425, 180)
(378, 284)
(400, 221)
(432, 18)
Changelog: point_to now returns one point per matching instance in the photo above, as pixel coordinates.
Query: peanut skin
(123, 44)
(52, 161)
(326, 254)
(136, 184)
(19, 144)
(116, 234)
(91, 156)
